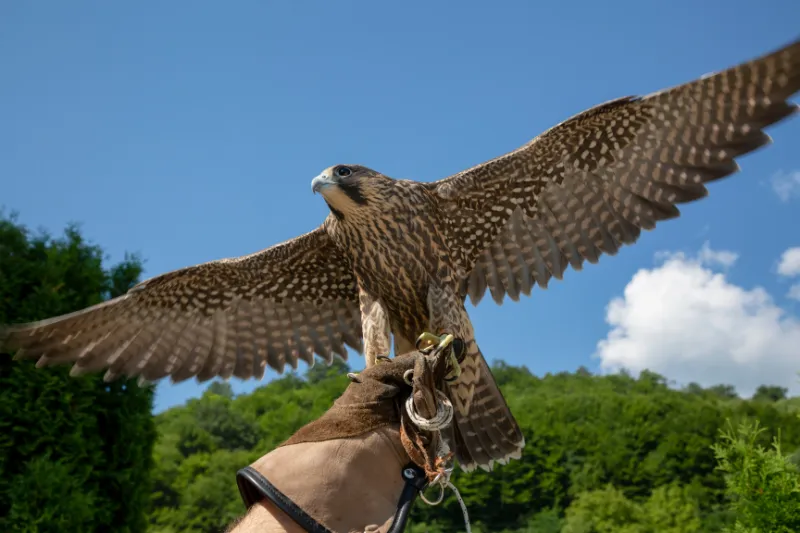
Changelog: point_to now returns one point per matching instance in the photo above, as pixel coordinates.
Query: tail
(488, 433)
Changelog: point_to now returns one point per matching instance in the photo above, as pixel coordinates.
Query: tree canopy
(604, 453)
(75, 453)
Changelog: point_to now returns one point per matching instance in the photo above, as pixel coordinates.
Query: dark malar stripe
(353, 191)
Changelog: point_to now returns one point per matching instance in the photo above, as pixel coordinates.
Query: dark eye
(343, 172)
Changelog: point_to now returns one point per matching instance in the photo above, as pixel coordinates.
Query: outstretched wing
(590, 184)
(229, 318)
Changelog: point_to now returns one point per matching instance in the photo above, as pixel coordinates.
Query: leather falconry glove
(360, 466)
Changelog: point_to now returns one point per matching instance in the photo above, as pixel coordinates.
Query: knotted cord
(442, 419)
(443, 480)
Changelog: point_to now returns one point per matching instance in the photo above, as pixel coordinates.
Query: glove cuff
(341, 484)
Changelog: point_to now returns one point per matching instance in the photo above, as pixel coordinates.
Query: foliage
(764, 485)
(770, 393)
(610, 452)
(75, 453)
(669, 509)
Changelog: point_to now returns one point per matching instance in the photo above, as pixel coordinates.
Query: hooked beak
(321, 182)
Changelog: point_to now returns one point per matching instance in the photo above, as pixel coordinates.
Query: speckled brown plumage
(398, 257)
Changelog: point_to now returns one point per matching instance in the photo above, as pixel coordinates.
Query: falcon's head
(348, 189)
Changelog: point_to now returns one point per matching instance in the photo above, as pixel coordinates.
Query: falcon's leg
(375, 327)
(448, 315)
(484, 431)
(402, 345)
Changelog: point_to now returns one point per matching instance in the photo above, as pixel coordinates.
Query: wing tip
(515, 454)
(7, 334)
(77, 371)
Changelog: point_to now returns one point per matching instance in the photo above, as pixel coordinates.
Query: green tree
(605, 510)
(727, 392)
(584, 433)
(220, 388)
(75, 453)
(321, 370)
(669, 509)
(770, 393)
(763, 483)
(672, 509)
(547, 521)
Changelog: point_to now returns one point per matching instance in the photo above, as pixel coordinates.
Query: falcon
(398, 258)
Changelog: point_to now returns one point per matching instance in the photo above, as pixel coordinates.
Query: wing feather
(589, 185)
(245, 353)
(231, 317)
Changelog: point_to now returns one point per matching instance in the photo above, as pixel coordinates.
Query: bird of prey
(397, 258)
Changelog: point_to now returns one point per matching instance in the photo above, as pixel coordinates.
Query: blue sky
(190, 131)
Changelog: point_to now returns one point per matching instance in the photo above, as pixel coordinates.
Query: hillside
(634, 448)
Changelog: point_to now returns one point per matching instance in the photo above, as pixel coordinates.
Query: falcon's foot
(428, 341)
(353, 376)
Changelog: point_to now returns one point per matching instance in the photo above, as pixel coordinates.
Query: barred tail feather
(488, 434)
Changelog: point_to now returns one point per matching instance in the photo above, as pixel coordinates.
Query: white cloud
(723, 258)
(794, 292)
(688, 322)
(786, 185)
(789, 265)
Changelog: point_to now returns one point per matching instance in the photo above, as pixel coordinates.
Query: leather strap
(254, 487)
(415, 479)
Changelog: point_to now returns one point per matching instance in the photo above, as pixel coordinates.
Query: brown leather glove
(344, 470)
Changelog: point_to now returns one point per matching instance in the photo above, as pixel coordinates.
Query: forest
(604, 453)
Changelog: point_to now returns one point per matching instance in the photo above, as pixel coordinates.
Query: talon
(455, 364)
(459, 348)
(382, 359)
(455, 368)
(445, 341)
(353, 377)
(427, 340)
